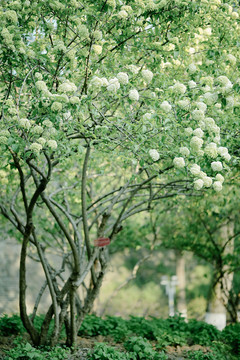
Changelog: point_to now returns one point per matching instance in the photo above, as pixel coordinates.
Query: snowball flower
(97, 49)
(115, 82)
(179, 162)
(147, 116)
(25, 124)
(198, 184)
(179, 88)
(74, 100)
(41, 141)
(210, 98)
(223, 151)
(188, 131)
(183, 103)
(41, 86)
(165, 106)
(198, 115)
(97, 82)
(147, 75)
(38, 76)
(122, 14)
(56, 106)
(207, 181)
(231, 58)
(192, 84)
(35, 147)
(47, 123)
(122, 78)
(67, 87)
(184, 151)
(227, 157)
(52, 144)
(195, 169)
(211, 150)
(201, 106)
(198, 132)
(220, 178)
(37, 130)
(154, 154)
(104, 81)
(196, 143)
(217, 185)
(134, 95)
(192, 68)
(216, 166)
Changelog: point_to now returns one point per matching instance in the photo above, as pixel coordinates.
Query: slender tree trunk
(181, 287)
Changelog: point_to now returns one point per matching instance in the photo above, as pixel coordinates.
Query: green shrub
(105, 352)
(11, 325)
(202, 333)
(143, 349)
(93, 326)
(25, 351)
(231, 336)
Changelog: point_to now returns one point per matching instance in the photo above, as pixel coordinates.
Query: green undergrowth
(139, 339)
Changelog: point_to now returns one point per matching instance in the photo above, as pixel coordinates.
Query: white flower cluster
(122, 78)
(154, 154)
(25, 124)
(165, 106)
(210, 98)
(179, 162)
(37, 130)
(179, 88)
(134, 95)
(41, 86)
(211, 150)
(196, 143)
(184, 151)
(147, 75)
(35, 147)
(225, 85)
(113, 85)
(56, 106)
(52, 144)
(67, 87)
(216, 166)
(97, 49)
(223, 152)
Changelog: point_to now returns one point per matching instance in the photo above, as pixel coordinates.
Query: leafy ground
(114, 338)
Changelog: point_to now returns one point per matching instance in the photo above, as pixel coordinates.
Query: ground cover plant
(153, 338)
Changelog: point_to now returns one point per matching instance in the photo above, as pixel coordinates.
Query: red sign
(101, 242)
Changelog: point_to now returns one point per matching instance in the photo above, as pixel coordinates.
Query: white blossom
(37, 130)
(134, 95)
(122, 14)
(211, 150)
(207, 181)
(47, 123)
(198, 115)
(179, 88)
(198, 184)
(25, 124)
(192, 84)
(188, 131)
(217, 185)
(122, 78)
(184, 151)
(52, 144)
(210, 98)
(220, 178)
(165, 106)
(41, 141)
(195, 169)
(97, 82)
(216, 166)
(56, 106)
(179, 162)
(198, 132)
(192, 68)
(147, 116)
(67, 87)
(35, 147)
(154, 154)
(97, 49)
(196, 143)
(223, 151)
(147, 75)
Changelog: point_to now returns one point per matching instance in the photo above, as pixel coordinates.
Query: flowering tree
(106, 107)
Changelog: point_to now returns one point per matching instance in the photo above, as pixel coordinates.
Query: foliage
(142, 348)
(11, 325)
(28, 352)
(231, 336)
(105, 352)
